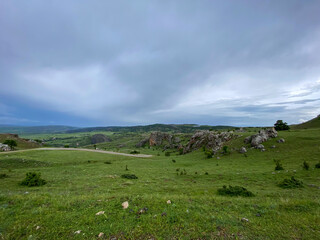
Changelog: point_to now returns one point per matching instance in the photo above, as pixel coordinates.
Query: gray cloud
(157, 61)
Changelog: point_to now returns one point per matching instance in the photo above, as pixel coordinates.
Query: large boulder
(263, 135)
(4, 147)
(99, 138)
(210, 140)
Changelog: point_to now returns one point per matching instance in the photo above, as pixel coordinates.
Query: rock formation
(211, 140)
(263, 135)
(159, 139)
(99, 138)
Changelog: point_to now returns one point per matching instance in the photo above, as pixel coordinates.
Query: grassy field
(81, 184)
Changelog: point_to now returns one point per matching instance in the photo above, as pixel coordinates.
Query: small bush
(278, 165)
(317, 165)
(208, 153)
(180, 151)
(306, 165)
(129, 176)
(225, 149)
(291, 183)
(107, 162)
(234, 191)
(206, 173)
(167, 154)
(134, 152)
(174, 161)
(3, 175)
(33, 179)
(66, 146)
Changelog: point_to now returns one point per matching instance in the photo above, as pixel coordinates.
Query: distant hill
(22, 143)
(313, 123)
(34, 129)
(181, 128)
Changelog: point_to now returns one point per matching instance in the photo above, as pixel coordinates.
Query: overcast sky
(87, 63)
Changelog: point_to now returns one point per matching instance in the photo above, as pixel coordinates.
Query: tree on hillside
(280, 125)
(10, 143)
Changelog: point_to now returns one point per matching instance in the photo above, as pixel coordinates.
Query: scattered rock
(281, 140)
(99, 213)
(243, 150)
(168, 202)
(77, 232)
(244, 220)
(163, 214)
(260, 146)
(125, 205)
(273, 146)
(38, 227)
(101, 235)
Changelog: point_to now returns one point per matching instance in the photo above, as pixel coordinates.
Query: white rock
(125, 205)
(77, 232)
(168, 202)
(100, 213)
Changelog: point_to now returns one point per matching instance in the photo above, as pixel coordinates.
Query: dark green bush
(107, 162)
(306, 165)
(167, 154)
(3, 175)
(225, 149)
(180, 151)
(174, 161)
(66, 146)
(280, 125)
(33, 179)
(134, 152)
(317, 165)
(129, 176)
(291, 183)
(234, 191)
(278, 165)
(208, 153)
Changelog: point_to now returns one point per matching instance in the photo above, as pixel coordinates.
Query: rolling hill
(313, 123)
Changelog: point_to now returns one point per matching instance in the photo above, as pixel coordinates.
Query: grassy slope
(22, 144)
(313, 123)
(78, 189)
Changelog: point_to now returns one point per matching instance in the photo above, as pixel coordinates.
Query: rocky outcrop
(263, 135)
(211, 140)
(159, 139)
(100, 138)
(4, 147)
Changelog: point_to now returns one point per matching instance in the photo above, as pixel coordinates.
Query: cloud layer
(125, 63)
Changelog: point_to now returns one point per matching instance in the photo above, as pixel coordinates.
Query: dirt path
(82, 149)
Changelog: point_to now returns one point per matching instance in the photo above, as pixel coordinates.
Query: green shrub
(167, 154)
(291, 183)
(129, 176)
(206, 173)
(107, 162)
(3, 175)
(306, 165)
(225, 149)
(278, 165)
(208, 153)
(234, 191)
(134, 152)
(317, 165)
(180, 151)
(33, 179)
(174, 161)
(66, 146)
(280, 125)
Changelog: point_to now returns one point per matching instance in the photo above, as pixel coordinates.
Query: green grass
(80, 184)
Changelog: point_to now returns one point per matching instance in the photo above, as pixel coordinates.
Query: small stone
(125, 205)
(243, 150)
(273, 146)
(38, 227)
(101, 235)
(168, 202)
(244, 220)
(163, 214)
(99, 213)
(273, 173)
(77, 232)
(218, 157)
